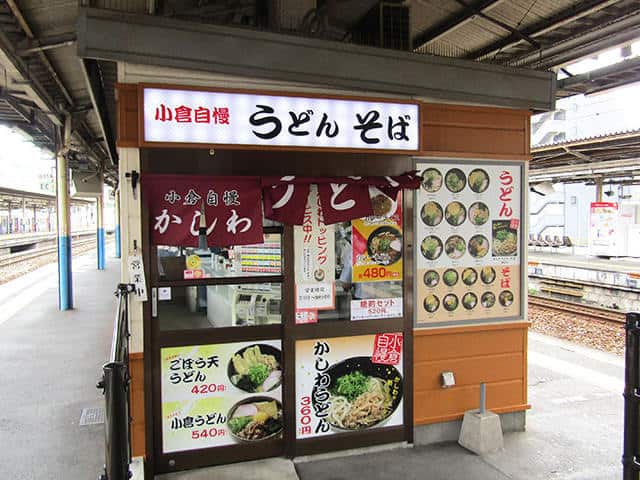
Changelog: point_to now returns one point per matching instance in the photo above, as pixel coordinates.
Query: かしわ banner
(231, 208)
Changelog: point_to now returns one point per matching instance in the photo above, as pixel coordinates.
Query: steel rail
(592, 311)
(39, 252)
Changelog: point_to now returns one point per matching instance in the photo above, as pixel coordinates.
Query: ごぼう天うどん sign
(224, 118)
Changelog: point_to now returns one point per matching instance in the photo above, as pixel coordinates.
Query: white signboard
(367, 309)
(315, 261)
(189, 116)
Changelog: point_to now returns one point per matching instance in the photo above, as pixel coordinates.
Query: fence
(115, 386)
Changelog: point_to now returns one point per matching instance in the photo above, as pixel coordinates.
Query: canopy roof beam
(141, 39)
(582, 9)
(453, 22)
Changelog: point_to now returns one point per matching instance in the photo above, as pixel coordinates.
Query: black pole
(116, 421)
(630, 464)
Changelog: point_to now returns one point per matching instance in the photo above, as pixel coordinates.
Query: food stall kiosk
(315, 263)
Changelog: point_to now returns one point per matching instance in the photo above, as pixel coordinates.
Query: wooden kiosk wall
(490, 353)
(495, 354)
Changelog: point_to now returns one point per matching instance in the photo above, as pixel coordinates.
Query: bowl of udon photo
(255, 419)
(382, 204)
(478, 213)
(450, 277)
(384, 245)
(505, 298)
(505, 239)
(455, 247)
(450, 302)
(469, 276)
(256, 368)
(362, 394)
(455, 180)
(431, 214)
(478, 246)
(488, 299)
(431, 303)
(469, 300)
(431, 247)
(487, 275)
(431, 278)
(431, 180)
(455, 213)
(478, 180)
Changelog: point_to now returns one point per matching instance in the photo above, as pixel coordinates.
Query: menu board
(468, 237)
(348, 384)
(224, 394)
(315, 262)
(261, 258)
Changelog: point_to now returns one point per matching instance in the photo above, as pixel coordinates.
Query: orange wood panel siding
(493, 354)
(474, 131)
(127, 96)
(136, 397)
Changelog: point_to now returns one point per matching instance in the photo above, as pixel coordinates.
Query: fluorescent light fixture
(617, 169)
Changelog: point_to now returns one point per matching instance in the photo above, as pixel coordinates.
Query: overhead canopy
(44, 80)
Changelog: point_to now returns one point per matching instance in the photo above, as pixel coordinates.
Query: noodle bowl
(362, 394)
(366, 410)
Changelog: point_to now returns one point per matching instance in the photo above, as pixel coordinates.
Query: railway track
(14, 258)
(599, 313)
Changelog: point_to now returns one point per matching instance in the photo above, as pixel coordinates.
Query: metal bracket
(134, 176)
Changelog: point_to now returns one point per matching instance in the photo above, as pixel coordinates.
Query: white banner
(189, 116)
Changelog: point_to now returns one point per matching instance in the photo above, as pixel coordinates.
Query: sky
(23, 165)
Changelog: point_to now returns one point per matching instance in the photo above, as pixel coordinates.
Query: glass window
(179, 263)
(210, 306)
(361, 300)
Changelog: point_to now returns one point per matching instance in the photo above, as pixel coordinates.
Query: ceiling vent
(386, 26)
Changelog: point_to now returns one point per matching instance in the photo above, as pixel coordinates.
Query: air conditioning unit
(386, 25)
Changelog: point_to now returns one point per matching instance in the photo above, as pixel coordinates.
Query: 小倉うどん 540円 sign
(223, 118)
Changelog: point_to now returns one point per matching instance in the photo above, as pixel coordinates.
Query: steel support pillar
(599, 186)
(100, 224)
(117, 229)
(65, 281)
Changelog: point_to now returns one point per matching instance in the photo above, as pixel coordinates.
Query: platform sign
(604, 229)
(468, 241)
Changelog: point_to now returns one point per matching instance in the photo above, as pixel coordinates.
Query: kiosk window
(187, 263)
(212, 306)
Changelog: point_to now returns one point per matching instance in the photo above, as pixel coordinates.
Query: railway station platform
(13, 242)
(52, 360)
(582, 260)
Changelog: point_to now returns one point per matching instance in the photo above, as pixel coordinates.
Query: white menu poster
(468, 238)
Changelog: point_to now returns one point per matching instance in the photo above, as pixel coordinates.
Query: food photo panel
(467, 227)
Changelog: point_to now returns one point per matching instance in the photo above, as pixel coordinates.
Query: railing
(631, 455)
(115, 386)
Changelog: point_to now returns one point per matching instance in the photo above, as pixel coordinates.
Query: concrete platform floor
(574, 430)
(50, 362)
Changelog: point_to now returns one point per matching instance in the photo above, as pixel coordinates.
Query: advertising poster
(315, 259)
(603, 231)
(224, 394)
(377, 241)
(468, 232)
(348, 384)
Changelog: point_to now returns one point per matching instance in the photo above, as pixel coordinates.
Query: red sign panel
(230, 205)
(387, 348)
